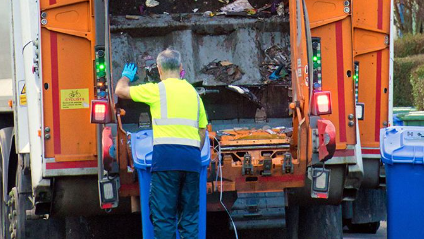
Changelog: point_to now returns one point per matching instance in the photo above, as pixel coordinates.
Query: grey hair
(169, 60)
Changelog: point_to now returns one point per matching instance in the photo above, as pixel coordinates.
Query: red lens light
(321, 103)
(100, 111)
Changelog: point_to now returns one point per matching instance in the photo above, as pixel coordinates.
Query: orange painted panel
(330, 21)
(300, 83)
(75, 17)
(371, 29)
(68, 78)
(336, 55)
(374, 93)
(322, 12)
(373, 14)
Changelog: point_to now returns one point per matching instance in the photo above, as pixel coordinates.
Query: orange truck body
(67, 62)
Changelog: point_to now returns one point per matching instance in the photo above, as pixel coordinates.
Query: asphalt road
(129, 227)
(381, 233)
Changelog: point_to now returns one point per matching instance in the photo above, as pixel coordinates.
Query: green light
(315, 58)
(101, 67)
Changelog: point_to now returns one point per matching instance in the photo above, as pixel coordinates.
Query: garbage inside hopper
(246, 93)
(148, 68)
(237, 6)
(281, 10)
(277, 63)
(224, 71)
(151, 3)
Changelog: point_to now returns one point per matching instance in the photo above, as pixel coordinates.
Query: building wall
(5, 57)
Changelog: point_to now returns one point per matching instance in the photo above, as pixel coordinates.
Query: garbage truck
(277, 79)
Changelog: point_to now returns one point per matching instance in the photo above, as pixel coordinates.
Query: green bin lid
(398, 110)
(415, 115)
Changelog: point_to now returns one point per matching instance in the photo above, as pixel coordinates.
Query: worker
(179, 122)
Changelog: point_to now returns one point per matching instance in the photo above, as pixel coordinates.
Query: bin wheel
(370, 228)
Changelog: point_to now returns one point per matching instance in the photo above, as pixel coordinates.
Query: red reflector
(107, 205)
(322, 195)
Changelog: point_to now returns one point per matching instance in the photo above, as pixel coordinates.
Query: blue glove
(130, 70)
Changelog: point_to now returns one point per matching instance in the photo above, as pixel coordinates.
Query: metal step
(259, 210)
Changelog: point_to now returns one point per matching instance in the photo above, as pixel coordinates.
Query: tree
(409, 16)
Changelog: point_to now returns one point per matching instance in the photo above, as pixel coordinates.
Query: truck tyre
(19, 202)
(370, 228)
(4, 221)
(320, 221)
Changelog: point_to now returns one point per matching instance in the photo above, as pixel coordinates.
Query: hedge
(409, 45)
(403, 68)
(417, 82)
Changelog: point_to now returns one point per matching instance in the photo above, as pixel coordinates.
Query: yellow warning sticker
(22, 95)
(74, 99)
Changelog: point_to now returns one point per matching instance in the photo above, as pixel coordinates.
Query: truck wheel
(16, 229)
(370, 228)
(19, 202)
(4, 221)
(320, 221)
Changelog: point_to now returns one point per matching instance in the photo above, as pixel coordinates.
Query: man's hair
(169, 60)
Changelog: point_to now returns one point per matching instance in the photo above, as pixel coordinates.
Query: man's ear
(160, 70)
(181, 67)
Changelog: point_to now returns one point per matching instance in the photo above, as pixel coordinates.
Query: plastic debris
(265, 7)
(151, 3)
(149, 66)
(132, 17)
(142, 8)
(208, 14)
(224, 71)
(277, 74)
(277, 63)
(246, 93)
(280, 9)
(237, 6)
(251, 11)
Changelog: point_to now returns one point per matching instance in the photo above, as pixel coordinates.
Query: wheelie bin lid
(415, 115)
(142, 149)
(400, 110)
(402, 144)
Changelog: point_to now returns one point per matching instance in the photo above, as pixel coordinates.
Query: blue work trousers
(174, 200)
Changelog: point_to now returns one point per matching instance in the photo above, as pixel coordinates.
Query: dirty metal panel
(67, 61)
(201, 40)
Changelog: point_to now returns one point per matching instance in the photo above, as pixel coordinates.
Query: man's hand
(122, 89)
(130, 70)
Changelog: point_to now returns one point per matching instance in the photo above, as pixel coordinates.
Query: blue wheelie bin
(142, 150)
(402, 152)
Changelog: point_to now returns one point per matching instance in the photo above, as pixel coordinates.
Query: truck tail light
(321, 103)
(100, 112)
